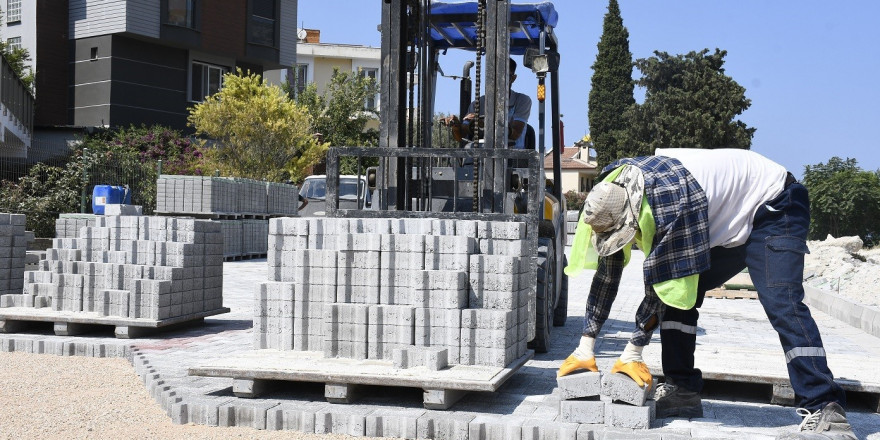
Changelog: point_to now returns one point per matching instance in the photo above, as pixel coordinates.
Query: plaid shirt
(681, 212)
(680, 246)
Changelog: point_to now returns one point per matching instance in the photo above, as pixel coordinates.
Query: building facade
(579, 168)
(102, 63)
(315, 62)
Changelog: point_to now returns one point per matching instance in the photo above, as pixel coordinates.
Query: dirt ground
(54, 397)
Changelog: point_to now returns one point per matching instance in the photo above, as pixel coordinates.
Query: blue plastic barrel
(109, 194)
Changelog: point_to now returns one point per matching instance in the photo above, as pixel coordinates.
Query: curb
(857, 315)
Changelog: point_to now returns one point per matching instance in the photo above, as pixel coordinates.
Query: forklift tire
(544, 295)
(560, 313)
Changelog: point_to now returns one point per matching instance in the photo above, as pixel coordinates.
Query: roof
(571, 160)
(453, 24)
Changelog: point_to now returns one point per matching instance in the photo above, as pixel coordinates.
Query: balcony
(16, 113)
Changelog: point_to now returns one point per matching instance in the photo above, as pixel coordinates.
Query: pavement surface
(734, 339)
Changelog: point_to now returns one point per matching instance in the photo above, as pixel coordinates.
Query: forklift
(485, 179)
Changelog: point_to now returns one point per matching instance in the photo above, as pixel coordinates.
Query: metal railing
(57, 177)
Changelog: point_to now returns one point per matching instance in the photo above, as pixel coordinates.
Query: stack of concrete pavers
(415, 292)
(154, 268)
(196, 194)
(69, 225)
(611, 399)
(224, 195)
(13, 253)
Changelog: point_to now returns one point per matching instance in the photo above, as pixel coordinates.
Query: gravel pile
(55, 397)
(842, 266)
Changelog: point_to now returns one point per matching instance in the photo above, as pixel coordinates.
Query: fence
(58, 176)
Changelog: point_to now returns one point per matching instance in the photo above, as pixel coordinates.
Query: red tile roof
(571, 160)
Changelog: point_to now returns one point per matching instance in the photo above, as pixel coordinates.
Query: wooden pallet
(18, 319)
(253, 371)
(732, 294)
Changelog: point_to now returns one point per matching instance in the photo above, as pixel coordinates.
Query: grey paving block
(621, 388)
(336, 419)
(582, 411)
(395, 423)
(486, 427)
(298, 416)
(622, 415)
(579, 384)
(540, 429)
(444, 425)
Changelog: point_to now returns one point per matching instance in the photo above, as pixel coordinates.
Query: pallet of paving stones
(411, 296)
(732, 294)
(21, 319)
(131, 272)
(223, 196)
(254, 371)
(202, 215)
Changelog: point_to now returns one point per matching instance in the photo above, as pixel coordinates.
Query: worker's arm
(516, 129)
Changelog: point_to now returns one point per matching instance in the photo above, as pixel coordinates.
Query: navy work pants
(774, 254)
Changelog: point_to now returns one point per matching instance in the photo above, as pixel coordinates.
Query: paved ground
(734, 338)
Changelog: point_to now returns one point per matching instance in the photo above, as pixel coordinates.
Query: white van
(353, 194)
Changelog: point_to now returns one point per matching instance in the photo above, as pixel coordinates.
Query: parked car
(353, 194)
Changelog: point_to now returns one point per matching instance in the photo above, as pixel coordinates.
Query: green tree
(844, 200)
(340, 114)
(260, 132)
(612, 87)
(689, 103)
(441, 135)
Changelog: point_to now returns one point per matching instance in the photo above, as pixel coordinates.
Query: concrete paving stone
(296, 416)
(203, 410)
(394, 423)
(613, 433)
(579, 384)
(506, 427)
(628, 416)
(582, 411)
(621, 388)
(590, 431)
(539, 429)
(450, 244)
(250, 414)
(444, 425)
(342, 419)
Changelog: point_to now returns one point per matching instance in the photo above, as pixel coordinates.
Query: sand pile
(843, 266)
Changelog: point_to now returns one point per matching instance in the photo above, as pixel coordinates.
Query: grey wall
(148, 83)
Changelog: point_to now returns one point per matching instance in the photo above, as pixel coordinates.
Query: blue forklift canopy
(453, 24)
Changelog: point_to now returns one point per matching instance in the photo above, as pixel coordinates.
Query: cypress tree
(612, 87)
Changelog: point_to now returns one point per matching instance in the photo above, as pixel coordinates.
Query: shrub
(575, 200)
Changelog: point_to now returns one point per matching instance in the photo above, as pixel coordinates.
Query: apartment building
(315, 62)
(102, 63)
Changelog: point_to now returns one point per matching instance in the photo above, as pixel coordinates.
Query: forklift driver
(519, 106)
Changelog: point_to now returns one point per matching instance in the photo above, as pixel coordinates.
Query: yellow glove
(638, 371)
(572, 364)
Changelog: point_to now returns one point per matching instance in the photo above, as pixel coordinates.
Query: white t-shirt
(737, 182)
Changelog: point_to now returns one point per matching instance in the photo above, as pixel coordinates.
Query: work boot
(824, 424)
(675, 401)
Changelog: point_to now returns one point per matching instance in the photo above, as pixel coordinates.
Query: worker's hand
(469, 117)
(450, 121)
(638, 371)
(572, 363)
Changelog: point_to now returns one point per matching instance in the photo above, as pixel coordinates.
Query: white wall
(90, 18)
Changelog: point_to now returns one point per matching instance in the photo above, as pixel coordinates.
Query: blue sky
(809, 66)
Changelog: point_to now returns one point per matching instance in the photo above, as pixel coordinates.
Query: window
(374, 75)
(206, 80)
(302, 78)
(14, 43)
(262, 24)
(13, 11)
(181, 13)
